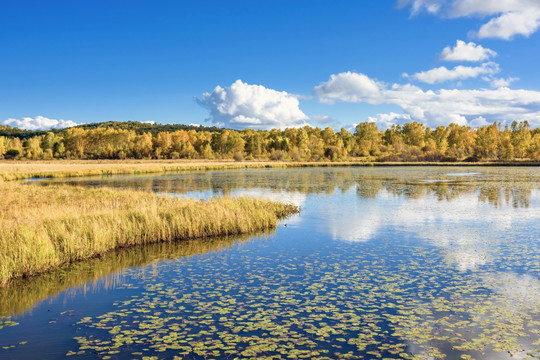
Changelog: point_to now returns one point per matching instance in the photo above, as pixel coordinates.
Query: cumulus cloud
(463, 51)
(39, 123)
(348, 87)
(435, 108)
(387, 120)
(507, 18)
(442, 74)
(510, 24)
(244, 105)
(501, 82)
(478, 122)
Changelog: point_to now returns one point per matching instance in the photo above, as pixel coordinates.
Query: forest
(412, 141)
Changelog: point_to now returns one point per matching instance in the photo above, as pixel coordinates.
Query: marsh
(394, 262)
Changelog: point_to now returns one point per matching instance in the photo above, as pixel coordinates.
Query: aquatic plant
(105, 272)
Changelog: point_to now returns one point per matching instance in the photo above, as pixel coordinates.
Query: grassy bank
(42, 228)
(18, 170)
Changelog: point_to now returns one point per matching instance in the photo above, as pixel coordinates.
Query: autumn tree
(488, 142)
(461, 141)
(3, 149)
(367, 138)
(414, 134)
(521, 138)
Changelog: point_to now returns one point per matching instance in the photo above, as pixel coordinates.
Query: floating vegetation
(105, 271)
(427, 271)
(6, 322)
(391, 300)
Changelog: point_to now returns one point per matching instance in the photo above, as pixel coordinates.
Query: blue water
(395, 263)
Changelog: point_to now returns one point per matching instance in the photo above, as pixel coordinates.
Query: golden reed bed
(43, 227)
(18, 170)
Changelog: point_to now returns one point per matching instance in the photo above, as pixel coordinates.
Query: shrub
(12, 154)
(238, 156)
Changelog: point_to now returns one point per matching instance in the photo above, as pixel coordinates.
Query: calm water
(395, 263)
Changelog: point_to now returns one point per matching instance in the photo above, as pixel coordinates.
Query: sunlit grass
(42, 228)
(18, 170)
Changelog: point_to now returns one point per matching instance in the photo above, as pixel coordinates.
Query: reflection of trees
(368, 189)
(23, 294)
(495, 186)
(516, 193)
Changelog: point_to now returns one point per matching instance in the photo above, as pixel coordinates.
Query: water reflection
(409, 263)
(497, 186)
(105, 273)
(460, 209)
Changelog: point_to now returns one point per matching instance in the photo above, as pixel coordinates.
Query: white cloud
(39, 123)
(435, 108)
(463, 51)
(386, 120)
(478, 122)
(348, 87)
(501, 82)
(510, 24)
(520, 290)
(252, 106)
(442, 74)
(507, 18)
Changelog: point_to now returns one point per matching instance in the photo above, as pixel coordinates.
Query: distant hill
(11, 132)
(136, 126)
(140, 127)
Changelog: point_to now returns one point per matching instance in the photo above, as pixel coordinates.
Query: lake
(381, 263)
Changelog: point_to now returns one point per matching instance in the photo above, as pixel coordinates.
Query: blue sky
(317, 62)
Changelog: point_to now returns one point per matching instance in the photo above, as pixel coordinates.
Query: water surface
(396, 263)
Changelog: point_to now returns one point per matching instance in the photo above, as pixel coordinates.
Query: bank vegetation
(412, 141)
(43, 227)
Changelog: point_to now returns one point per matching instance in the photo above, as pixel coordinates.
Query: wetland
(381, 263)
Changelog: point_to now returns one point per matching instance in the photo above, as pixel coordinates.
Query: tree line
(412, 141)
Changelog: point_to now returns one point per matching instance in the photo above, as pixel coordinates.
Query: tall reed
(43, 227)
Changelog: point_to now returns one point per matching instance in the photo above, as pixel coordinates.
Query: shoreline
(20, 170)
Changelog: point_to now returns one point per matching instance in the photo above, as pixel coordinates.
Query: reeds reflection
(107, 272)
(496, 186)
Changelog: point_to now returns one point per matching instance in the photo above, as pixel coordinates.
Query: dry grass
(17, 170)
(42, 227)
